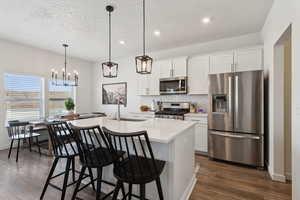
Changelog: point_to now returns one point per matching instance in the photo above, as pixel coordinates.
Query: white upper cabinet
(179, 67)
(221, 62)
(153, 80)
(148, 84)
(143, 84)
(173, 67)
(198, 69)
(248, 59)
(165, 67)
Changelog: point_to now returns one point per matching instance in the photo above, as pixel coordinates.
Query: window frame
(40, 99)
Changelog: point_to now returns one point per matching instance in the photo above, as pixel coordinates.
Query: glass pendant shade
(143, 64)
(110, 69)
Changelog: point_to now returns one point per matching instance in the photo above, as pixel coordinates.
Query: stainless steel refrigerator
(235, 117)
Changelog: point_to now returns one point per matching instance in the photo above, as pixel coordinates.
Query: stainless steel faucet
(119, 110)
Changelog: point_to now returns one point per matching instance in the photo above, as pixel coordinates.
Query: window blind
(22, 97)
(57, 97)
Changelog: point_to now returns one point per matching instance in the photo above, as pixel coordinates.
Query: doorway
(283, 105)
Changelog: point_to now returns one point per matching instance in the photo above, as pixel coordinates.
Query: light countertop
(159, 130)
(196, 115)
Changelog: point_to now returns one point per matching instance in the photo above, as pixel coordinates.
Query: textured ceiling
(83, 23)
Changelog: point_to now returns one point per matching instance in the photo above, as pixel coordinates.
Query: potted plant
(69, 104)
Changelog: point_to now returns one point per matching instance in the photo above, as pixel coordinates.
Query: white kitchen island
(172, 141)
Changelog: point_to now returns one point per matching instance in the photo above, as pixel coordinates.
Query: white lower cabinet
(200, 133)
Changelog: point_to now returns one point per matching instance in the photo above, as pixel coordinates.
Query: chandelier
(109, 68)
(66, 79)
(143, 63)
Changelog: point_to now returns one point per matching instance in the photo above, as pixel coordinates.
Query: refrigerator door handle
(236, 108)
(230, 94)
(236, 136)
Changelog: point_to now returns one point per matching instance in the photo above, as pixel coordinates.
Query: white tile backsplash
(200, 100)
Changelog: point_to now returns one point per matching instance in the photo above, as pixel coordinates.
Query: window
(23, 97)
(57, 97)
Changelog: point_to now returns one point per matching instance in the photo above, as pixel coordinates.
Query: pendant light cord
(144, 32)
(65, 61)
(109, 13)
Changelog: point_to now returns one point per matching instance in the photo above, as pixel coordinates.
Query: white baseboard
(189, 189)
(277, 177)
(288, 176)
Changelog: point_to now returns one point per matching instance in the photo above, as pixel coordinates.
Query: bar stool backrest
(17, 128)
(138, 153)
(92, 145)
(62, 139)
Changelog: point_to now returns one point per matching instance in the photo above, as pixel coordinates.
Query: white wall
(282, 14)
(127, 72)
(19, 59)
(296, 99)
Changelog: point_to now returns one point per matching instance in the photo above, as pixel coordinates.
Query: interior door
(221, 88)
(248, 110)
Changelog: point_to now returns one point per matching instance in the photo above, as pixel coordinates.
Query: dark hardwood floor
(216, 181)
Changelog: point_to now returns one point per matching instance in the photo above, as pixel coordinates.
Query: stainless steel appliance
(173, 110)
(174, 85)
(235, 117)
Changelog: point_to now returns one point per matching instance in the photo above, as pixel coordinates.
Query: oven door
(173, 85)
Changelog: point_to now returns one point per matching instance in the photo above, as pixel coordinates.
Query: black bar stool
(64, 147)
(138, 165)
(94, 153)
(21, 131)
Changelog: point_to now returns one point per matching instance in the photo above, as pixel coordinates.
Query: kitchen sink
(130, 119)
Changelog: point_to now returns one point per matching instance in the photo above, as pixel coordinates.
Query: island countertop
(159, 130)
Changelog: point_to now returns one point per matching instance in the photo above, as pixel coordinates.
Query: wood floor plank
(215, 181)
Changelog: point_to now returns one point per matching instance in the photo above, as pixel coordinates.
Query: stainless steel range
(173, 110)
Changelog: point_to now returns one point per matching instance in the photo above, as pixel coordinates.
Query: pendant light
(110, 69)
(66, 77)
(143, 63)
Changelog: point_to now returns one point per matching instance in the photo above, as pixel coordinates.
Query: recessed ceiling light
(157, 32)
(122, 42)
(206, 20)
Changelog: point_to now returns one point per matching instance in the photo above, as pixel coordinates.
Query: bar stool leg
(99, 179)
(117, 189)
(143, 191)
(160, 192)
(92, 178)
(73, 169)
(130, 192)
(68, 165)
(49, 177)
(78, 183)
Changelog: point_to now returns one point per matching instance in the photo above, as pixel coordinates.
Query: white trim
(189, 189)
(288, 176)
(276, 177)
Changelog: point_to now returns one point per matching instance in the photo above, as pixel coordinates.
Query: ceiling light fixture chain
(109, 68)
(144, 63)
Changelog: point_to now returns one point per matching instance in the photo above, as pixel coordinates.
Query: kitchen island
(172, 141)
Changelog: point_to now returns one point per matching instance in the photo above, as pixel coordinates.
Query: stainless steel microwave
(174, 85)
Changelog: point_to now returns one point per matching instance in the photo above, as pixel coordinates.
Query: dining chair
(18, 131)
